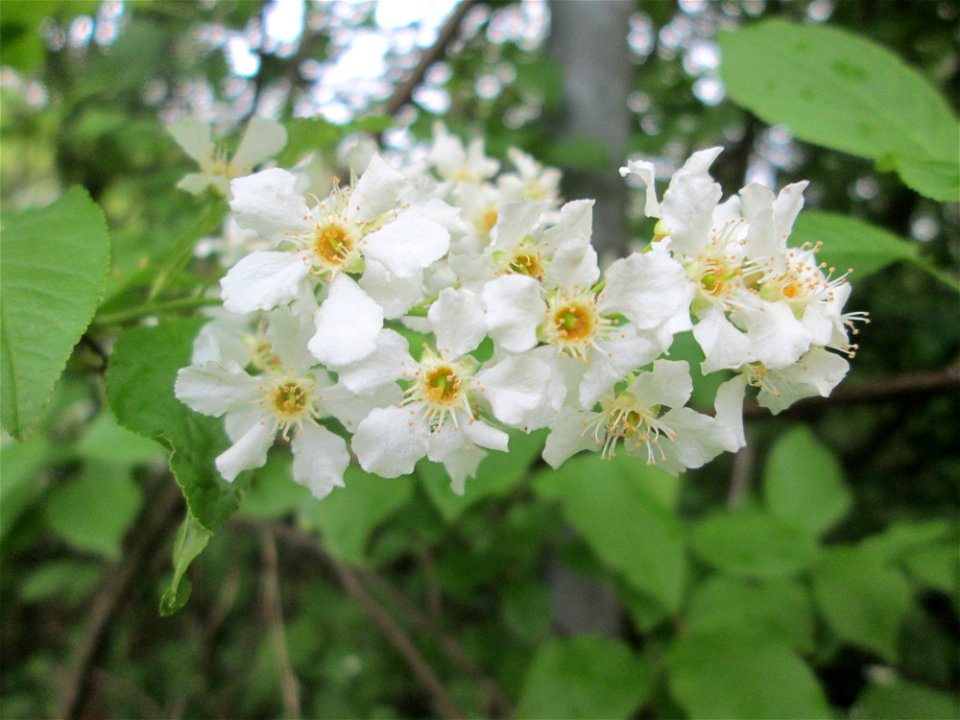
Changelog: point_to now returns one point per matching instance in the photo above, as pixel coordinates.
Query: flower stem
(154, 308)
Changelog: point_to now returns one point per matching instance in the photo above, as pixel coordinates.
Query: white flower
(287, 399)
(336, 236)
(675, 439)
(262, 140)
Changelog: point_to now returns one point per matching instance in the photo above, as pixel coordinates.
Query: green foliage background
(815, 575)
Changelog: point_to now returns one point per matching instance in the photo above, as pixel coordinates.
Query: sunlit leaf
(849, 243)
(52, 273)
(845, 92)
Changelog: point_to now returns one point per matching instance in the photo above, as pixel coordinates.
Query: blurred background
(396, 600)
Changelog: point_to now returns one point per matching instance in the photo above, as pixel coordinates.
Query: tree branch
(910, 386)
(273, 612)
(404, 91)
(160, 517)
(394, 633)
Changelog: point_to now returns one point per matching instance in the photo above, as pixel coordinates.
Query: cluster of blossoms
(435, 303)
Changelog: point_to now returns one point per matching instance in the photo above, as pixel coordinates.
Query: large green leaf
(723, 674)
(803, 483)
(751, 543)
(863, 599)
(584, 677)
(620, 509)
(845, 92)
(849, 243)
(140, 381)
(775, 609)
(52, 273)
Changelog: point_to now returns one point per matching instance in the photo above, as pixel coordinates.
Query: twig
(384, 620)
(404, 91)
(273, 613)
(401, 643)
(911, 386)
(450, 647)
(740, 476)
(160, 517)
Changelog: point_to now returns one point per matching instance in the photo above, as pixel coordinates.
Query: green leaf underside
(835, 89)
(722, 674)
(851, 243)
(620, 508)
(191, 540)
(54, 266)
(803, 483)
(140, 381)
(584, 677)
(862, 599)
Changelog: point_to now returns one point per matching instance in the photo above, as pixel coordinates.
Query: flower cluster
(434, 304)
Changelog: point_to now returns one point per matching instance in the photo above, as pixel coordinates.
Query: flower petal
(376, 191)
(319, 459)
(514, 310)
(649, 288)
(262, 139)
(389, 362)
(457, 320)
(348, 323)
(268, 202)
(408, 244)
(215, 388)
(250, 451)
(262, 280)
(390, 441)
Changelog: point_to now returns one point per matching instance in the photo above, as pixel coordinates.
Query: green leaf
(349, 515)
(936, 566)
(52, 273)
(937, 179)
(273, 493)
(902, 700)
(192, 538)
(107, 441)
(777, 609)
(94, 512)
(903, 537)
(140, 380)
(497, 475)
(751, 543)
(862, 599)
(21, 487)
(68, 581)
(723, 674)
(620, 509)
(584, 677)
(803, 483)
(851, 243)
(842, 91)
